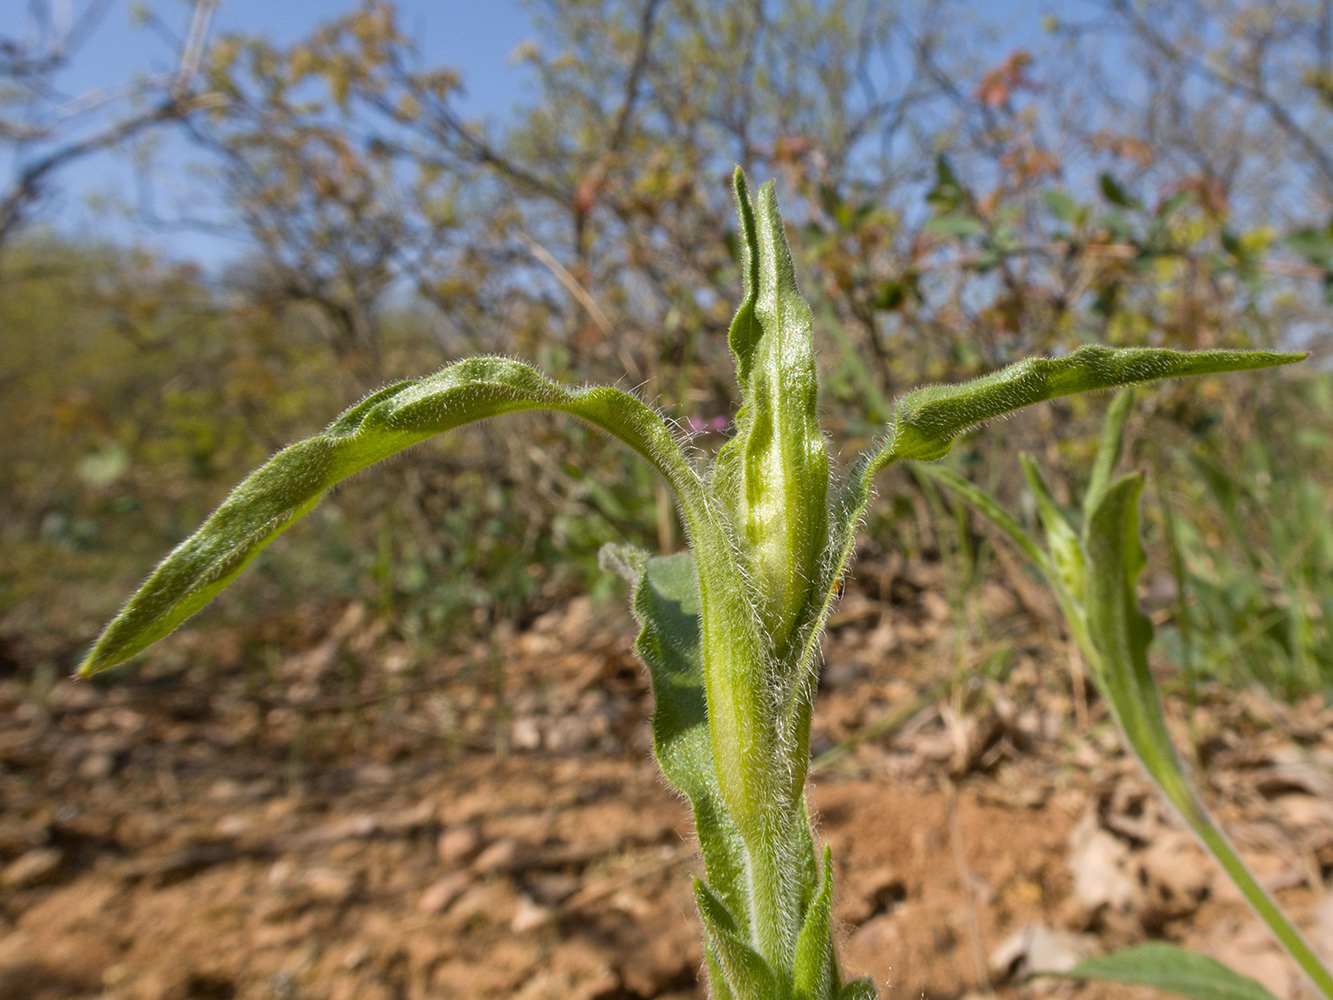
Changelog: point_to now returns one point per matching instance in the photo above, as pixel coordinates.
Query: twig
(571, 283)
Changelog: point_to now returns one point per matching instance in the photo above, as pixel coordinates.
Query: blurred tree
(46, 128)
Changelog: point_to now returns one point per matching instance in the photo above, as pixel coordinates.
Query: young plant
(1093, 573)
(730, 632)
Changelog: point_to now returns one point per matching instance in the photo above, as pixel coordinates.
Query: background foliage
(968, 191)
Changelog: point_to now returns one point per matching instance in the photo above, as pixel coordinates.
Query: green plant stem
(1290, 938)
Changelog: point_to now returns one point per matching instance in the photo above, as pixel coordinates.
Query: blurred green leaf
(1168, 967)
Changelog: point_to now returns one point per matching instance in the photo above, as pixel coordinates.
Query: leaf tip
(91, 664)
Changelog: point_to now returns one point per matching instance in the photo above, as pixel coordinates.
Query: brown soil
(230, 823)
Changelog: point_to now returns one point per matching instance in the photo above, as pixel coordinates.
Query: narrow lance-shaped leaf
(772, 481)
(776, 467)
(1065, 548)
(929, 419)
(813, 971)
(744, 971)
(666, 602)
(1168, 967)
(1109, 448)
(745, 329)
(292, 482)
(1120, 634)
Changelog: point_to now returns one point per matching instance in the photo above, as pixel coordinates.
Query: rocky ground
(314, 810)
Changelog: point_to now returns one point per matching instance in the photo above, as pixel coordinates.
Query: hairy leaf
(278, 493)
(775, 471)
(929, 419)
(813, 971)
(666, 602)
(1120, 634)
(746, 974)
(745, 330)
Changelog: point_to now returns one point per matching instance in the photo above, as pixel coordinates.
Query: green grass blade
(985, 504)
(278, 493)
(1061, 540)
(1168, 967)
(929, 419)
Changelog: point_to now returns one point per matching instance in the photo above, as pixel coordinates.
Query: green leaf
(1120, 634)
(1065, 208)
(859, 989)
(959, 224)
(1315, 245)
(746, 974)
(666, 602)
(745, 330)
(929, 419)
(1061, 540)
(947, 194)
(813, 972)
(986, 505)
(293, 481)
(1168, 967)
(1178, 200)
(1108, 451)
(776, 467)
(1115, 193)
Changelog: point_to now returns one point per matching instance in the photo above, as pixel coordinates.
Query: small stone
(529, 915)
(33, 868)
(1036, 948)
(97, 766)
(880, 891)
(552, 890)
(457, 844)
(499, 856)
(525, 733)
(330, 885)
(568, 734)
(440, 895)
(1100, 864)
(1177, 873)
(280, 874)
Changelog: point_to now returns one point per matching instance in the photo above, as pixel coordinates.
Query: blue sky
(98, 195)
(475, 37)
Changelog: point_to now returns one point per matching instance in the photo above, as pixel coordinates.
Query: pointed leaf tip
(929, 419)
(745, 331)
(286, 487)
